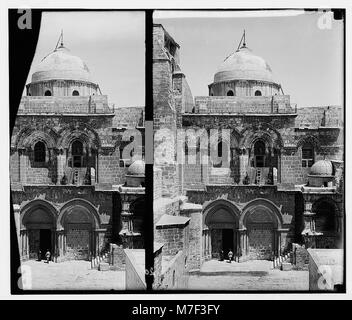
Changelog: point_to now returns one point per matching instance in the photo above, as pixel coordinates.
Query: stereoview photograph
(249, 150)
(77, 171)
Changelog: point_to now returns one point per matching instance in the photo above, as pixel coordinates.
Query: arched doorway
(77, 224)
(261, 225)
(38, 225)
(221, 225)
(260, 228)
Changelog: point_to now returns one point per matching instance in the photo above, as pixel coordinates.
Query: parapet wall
(128, 117)
(243, 105)
(77, 104)
(315, 117)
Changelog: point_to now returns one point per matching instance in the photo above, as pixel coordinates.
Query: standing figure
(221, 255)
(47, 256)
(230, 255)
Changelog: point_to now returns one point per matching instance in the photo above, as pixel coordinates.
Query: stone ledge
(191, 207)
(168, 221)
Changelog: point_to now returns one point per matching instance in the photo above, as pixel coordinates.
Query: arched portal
(260, 229)
(38, 225)
(260, 223)
(221, 224)
(77, 223)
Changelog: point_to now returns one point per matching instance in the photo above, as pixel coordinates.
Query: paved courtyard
(71, 275)
(251, 275)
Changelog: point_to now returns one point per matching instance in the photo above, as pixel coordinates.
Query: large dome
(61, 65)
(244, 65)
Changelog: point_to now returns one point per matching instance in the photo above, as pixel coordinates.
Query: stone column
(22, 165)
(61, 164)
(60, 243)
(25, 252)
(283, 235)
(20, 245)
(278, 166)
(242, 243)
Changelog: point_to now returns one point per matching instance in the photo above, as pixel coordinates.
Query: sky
(111, 44)
(304, 51)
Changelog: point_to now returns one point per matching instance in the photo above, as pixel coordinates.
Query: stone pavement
(72, 275)
(250, 275)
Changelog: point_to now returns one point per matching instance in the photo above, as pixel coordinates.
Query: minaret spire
(242, 41)
(62, 37)
(60, 40)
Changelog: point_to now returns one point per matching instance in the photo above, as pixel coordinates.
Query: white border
(156, 4)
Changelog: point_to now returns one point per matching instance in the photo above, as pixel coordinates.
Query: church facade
(74, 191)
(271, 175)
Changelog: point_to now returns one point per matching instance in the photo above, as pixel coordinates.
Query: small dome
(322, 168)
(244, 65)
(137, 168)
(61, 65)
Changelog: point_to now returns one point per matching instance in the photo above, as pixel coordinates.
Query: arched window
(307, 155)
(229, 93)
(257, 93)
(39, 152)
(259, 154)
(77, 153)
(75, 93)
(47, 93)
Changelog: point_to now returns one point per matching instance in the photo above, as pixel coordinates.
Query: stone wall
(300, 257)
(129, 117)
(165, 113)
(157, 184)
(162, 206)
(321, 127)
(244, 194)
(117, 257)
(174, 238)
(174, 275)
(193, 248)
(324, 116)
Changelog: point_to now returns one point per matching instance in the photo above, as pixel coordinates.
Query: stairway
(101, 262)
(283, 262)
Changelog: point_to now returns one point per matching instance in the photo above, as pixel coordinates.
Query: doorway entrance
(259, 154)
(45, 242)
(227, 241)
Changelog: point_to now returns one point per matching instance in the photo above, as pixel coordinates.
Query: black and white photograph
(249, 150)
(76, 160)
(177, 159)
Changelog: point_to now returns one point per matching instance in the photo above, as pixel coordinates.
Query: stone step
(103, 266)
(286, 266)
